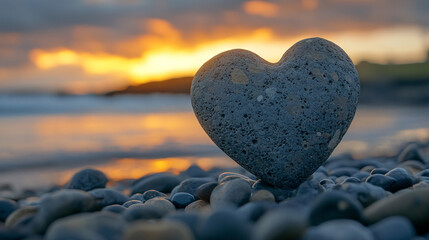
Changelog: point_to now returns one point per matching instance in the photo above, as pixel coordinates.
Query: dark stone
(252, 211)
(393, 228)
(88, 179)
(182, 199)
(149, 194)
(85, 226)
(105, 197)
(382, 181)
(361, 175)
(402, 177)
(192, 220)
(344, 171)
(115, 208)
(339, 230)
(281, 224)
(129, 203)
(194, 171)
(351, 180)
(190, 186)
(61, 204)
(334, 205)
(326, 184)
(225, 225)
(163, 182)
(7, 206)
(379, 171)
(424, 173)
(205, 190)
(365, 193)
(142, 212)
(231, 193)
(279, 193)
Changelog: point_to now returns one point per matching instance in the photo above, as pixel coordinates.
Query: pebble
(226, 225)
(163, 230)
(279, 194)
(115, 208)
(283, 224)
(379, 171)
(105, 197)
(385, 182)
(402, 177)
(412, 204)
(61, 204)
(205, 191)
(194, 171)
(194, 221)
(361, 175)
(334, 205)
(142, 212)
(412, 166)
(393, 228)
(190, 186)
(231, 193)
(182, 199)
(262, 196)
(344, 171)
(149, 194)
(161, 204)
(339, 230)
(131, 202)
(94, 226)
(163, 182)
(365, 193)
(7, 206)
(227, 176)
(351, 180)
(198, 206)
(20, 214)
(411, 152)
(88, 179)
(271, 109)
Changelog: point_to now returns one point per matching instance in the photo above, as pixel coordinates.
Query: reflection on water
(47, 146)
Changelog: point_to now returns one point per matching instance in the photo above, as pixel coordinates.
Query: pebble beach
(372, 198)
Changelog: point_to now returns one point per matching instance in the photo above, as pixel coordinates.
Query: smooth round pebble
(198, 206)
(281, 224)
(142, 212)
(115, 208)
(339, 230)
(393, 228)
(105, 197)
(163, 182)
(152, 194)
(131, 202)
(19, 214)
(190, 186)
(402, 177)
(334, 205)
(163, 230)
(225, 225)
(271, 108)
(231, 193)
(382, 181)
(381, 171)
(365, 193)
(88, 179)
(204, 191)
(262, 196)
(7, 206)
(182, 199)
(161, 204)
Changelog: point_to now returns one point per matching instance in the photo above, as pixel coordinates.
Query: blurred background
(105, 84)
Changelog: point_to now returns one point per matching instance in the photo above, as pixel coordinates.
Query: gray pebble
(85, 226)
(382, 181)
(88, 179)
(198, 206)
(142, 212)
(192, 220)
(151, 194)
(296, 110)
(161, 204)
(115, 208)
(129, 203)
(163, 182)
(182, 199)
(105, 197)
(402, 177)
(393, 228)
(379, 171)
(339, 230)
(7, 206)
(225, 225)
(231, 193)
(279, 193)
(334, 205)
(20, 214)
(365, 193)
(262, 196)
(190, 186)
(61, 204)
(281, 224)
(205, 190)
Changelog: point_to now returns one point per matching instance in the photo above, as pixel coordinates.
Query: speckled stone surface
(280, 121)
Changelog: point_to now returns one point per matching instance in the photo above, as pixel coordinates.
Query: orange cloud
(260, 8)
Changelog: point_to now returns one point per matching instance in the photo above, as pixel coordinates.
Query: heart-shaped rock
(280, 121)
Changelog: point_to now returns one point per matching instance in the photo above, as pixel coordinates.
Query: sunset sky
(84, 46)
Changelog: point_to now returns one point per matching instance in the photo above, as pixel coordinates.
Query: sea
(44, 139)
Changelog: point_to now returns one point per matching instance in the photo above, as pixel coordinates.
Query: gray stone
(280, 121)
(402, 177)
(198, 206)
(130, 203)
(412, 204)
(61, 204)
(85, 226)
(163, 182)
(262, 196)
(161, 204)
(225, 225)
(393, 228)
(149, 194)
(334, 205)
(231, 193)
(382, 181)
(279, 193)
(115, 208)
(88, 179)
(190, 186)
(7, 206)
(165, 230)
(365, 193)
(339, 230)
(227, 176)
(142, 212)
(204, 191)
(193, 220)
(106, 197)
(19, 214)
(281, 224)
(182, 199)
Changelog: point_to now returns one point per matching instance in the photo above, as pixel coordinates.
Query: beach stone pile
(374, 198)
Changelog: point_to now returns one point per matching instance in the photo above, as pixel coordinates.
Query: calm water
(44, 139)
